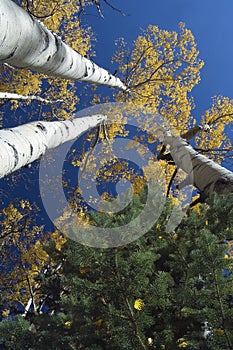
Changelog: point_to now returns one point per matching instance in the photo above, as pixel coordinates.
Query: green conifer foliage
(163, 291)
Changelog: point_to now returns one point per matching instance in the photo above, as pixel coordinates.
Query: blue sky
(210, 21)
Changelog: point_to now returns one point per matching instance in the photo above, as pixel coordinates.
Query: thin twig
(91, 151)
(170, 182)
(54, 10)
(115, 8)
(126, 300)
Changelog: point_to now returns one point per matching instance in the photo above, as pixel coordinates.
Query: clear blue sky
(210, 21)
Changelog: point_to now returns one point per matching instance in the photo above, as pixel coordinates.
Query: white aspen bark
(11, 96)
(27, 307)
(23, 144)
(208, 176)
(26, 43)
(188, 135)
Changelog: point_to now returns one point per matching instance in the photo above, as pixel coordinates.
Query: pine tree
(163, 291)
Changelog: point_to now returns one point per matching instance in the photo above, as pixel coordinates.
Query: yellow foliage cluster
(218, 117)
(23, 257)
(161, 70)
(59, 239)
(139, 304)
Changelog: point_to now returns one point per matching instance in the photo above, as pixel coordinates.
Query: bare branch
(54, 10)
(170, 182)
(12, 96)
(115, 8)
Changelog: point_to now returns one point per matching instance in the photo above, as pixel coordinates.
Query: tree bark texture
(26, 43)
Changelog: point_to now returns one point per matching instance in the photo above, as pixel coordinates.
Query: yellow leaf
(139, 304)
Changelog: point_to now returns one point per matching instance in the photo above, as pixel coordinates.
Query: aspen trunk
(26, 43)
(23, 144)
(208, 176)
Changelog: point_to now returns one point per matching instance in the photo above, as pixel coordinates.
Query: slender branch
(190, 133)
(107, 139)
(9, 66)
(127, 303)
(153, 73)
(170, 182)
(132, 70)
(115, 8)
(213, 149)
(97, 4)
(54, 10)
(91, 151)
(32, 299)
(12, 96)
(220, 117)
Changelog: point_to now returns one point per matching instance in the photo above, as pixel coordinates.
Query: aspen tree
(25, 143)
(27, 43)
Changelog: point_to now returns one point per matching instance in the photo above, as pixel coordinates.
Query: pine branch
(219, 298)
(127, 303)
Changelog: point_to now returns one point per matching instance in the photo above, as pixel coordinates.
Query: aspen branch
(13, 96)
(153, 73)
(54, 10)
(91, 151)
(220, 117)
(114, 8)
(170, 182)
(212, 150)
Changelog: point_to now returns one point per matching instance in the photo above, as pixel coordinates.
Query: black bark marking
(3, 40)
(48, 58)
(41, 126)
(28, 166)
(66, 126)
(11, 54)
(71, 65)
(61, 130)
(16, 155)
(197, 166)
(57, 42)
(86, 73)
(31, 149)
(46, 39)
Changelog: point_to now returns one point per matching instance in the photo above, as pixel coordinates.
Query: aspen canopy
(165, 290)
